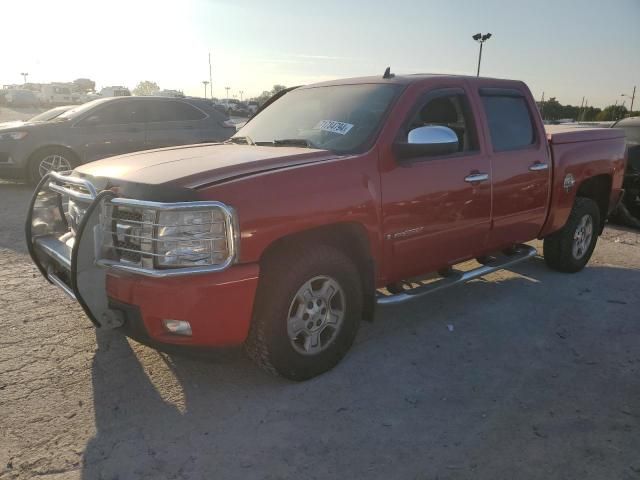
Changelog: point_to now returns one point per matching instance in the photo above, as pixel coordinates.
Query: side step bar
(455, 277)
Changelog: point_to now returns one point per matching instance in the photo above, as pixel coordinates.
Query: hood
(198, 165)
(11, 125)
(24, 125)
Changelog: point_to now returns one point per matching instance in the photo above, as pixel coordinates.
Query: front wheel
(51, 159)
(569, 249)
(307, 312)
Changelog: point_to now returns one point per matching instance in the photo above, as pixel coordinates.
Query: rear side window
(172, 111)
(509, 122)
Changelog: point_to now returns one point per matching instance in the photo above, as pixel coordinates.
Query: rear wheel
(52, 159)
(569, 249)
(307, 312)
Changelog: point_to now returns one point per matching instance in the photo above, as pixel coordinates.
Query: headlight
(13, 135)
(191, 237)
(151, 235)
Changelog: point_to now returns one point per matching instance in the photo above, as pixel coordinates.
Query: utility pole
(632, 97)
(210, 79)
(480, 38)
(241, 93)
(581, 107)
(542, 106)
(227, 89)
(205, 83)
(24, 76)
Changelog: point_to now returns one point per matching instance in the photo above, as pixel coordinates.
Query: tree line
(552, 109)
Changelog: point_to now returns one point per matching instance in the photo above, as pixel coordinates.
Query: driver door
(437, 208)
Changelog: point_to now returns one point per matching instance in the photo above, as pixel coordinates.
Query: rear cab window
(508, 118)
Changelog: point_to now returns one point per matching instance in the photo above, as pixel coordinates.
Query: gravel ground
(538, 377)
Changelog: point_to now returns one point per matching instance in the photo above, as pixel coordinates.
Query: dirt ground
(528, 374)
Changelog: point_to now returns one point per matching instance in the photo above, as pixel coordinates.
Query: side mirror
(428, 141)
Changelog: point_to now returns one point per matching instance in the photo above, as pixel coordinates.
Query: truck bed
(558, 134)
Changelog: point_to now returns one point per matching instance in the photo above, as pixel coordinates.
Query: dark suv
(629, 212)
(104, 128)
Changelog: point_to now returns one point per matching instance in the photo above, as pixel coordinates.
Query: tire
(569, 249)
(283, 277)
(52, 159)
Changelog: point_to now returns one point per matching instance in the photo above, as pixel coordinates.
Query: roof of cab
(400, 79)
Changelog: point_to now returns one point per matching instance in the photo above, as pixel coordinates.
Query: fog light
(178, 327)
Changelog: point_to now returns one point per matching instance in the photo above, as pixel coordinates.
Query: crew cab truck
(335, 197)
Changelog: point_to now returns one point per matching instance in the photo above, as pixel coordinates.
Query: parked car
(41, 117)
(284, 237)
(21, 98)
(629, 211)
(106, 127)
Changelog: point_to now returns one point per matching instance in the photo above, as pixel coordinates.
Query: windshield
(341, 118)
(632, 134)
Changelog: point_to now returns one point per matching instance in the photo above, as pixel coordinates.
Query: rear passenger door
(173, 122)
(520, 166)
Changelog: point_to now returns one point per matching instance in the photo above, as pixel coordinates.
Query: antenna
(388, 74)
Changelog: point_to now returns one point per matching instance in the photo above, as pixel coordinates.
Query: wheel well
(350, 238)
(598, 189)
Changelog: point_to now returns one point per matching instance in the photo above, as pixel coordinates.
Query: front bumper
(217, 304)
(13, 158)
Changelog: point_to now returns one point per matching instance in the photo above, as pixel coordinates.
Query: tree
(145, 88)
(612, 112)
(267, 94)
(552, 109)
(84, 85)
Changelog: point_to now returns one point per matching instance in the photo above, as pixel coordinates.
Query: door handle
(476, 177)
(538, 166)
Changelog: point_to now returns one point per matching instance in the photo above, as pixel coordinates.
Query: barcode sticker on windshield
(340, 128)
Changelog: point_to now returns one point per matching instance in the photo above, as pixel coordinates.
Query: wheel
(307, 311)
(569, 249)
(52, 159)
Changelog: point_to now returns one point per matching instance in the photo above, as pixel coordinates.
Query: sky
(568, 49)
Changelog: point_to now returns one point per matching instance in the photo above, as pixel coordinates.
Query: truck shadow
(174, 416)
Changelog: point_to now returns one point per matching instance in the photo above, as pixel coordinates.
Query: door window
(172, 111)
(115, 113)
(509, 122)
(452, 111)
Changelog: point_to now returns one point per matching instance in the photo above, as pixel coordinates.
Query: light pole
(227, 89)
(480, 38)
(205, 83)
(632, 97)
(210, 79)
(24, 75)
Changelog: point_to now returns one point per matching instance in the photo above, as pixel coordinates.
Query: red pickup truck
(335, 197)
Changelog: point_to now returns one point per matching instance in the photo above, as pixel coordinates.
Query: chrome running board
(455, 277)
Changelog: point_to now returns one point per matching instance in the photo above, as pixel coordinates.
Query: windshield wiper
(241, 140)
(289, 142)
